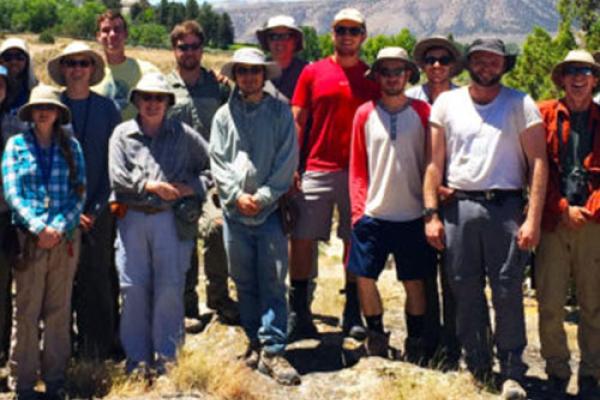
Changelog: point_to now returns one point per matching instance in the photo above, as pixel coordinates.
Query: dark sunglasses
(573, 70)
(17, 56)
(160, 98)
(77, 63)
(44, 107)
(431, 60)
(188, 47)
(341, 30)
(253, 70)
(280, 37)
(391, 72)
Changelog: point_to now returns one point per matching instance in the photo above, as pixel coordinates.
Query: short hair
(189, 27)
(111, 15)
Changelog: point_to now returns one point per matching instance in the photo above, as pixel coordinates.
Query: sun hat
(495, 46)
(44, 94)
(251, 56)
(349, 14)
(14, 43)
(394, 53)
(153, 82)
(280, 21)
(76, 48)
(578, 56)
(424, 45)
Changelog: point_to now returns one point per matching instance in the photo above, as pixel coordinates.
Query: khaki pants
(563, 254)
(44, 282)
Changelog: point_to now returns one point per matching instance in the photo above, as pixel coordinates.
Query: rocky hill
(466, 19)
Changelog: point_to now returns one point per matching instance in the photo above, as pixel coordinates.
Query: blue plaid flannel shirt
(25, 191)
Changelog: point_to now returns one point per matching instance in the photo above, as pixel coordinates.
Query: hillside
(466, 19)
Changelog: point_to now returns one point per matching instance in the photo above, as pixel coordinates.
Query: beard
(188, 63)
(493, 81)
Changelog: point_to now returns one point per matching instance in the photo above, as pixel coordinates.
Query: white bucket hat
(153, 82)
(251, 56)
(14, 43)
(280, 21)
(44, 94)
(578, 56)
(349, 14)
(394, 53)
(424, 45)
(76, 48)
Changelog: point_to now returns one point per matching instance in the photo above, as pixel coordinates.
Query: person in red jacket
(569, 243)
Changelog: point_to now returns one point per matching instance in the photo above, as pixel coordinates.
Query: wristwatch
(429, 212)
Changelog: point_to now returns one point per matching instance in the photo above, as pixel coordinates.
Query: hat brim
(510, 60)
(412, 66)
(24, 113)
(134, 91)
(261, 36)
(422, 47)
(272, 69)
(55, 73)
(557, 72)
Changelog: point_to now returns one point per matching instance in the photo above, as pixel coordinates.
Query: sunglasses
(431, 60)
(253, 70)
(189, 47)
(391, 72)
(17, 56)
(160, 98)
(573, 70)
(77, 63)
(280, 37)
(43, 107)
(341, 30)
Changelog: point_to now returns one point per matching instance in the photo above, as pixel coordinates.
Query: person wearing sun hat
(569, 246)
(487, 146)
(157, 168)
(94, 117)
(283, 39)
(252, 171)
(15, 56)
(44, 182)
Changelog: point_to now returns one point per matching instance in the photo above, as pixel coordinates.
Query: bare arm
(436, 158)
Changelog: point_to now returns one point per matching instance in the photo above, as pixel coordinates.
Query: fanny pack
(187, 212)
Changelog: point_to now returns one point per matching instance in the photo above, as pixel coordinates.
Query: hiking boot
(352, 323)
(377, 344)
(415, 351)
(228, 312)
(252, 355)
(277, 367)
(557, 387)
(301, 327)
(194, 326)
(512, 390)
(588, 388)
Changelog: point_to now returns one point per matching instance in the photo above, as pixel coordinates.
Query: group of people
(117, 168)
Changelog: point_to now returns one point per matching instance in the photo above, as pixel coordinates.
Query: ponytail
(67, 152)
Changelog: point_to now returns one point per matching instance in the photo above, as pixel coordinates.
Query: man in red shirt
(326, 97)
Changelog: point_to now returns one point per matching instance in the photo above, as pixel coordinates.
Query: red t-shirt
(331, 94)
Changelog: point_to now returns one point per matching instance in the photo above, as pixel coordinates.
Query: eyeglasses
(77, 63)
(341, 30)
(431, 60)
(253, 70)
(391, 72)
(188, 47)
(574, 70)
(160, 98)
(280, 37)
(43, 107)
(17, 56)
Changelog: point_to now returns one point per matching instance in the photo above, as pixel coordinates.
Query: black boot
(300, 322)
(352, 323)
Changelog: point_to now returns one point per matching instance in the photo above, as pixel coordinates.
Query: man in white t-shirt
(487, 144)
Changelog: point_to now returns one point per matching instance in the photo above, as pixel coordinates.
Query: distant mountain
(465, 19)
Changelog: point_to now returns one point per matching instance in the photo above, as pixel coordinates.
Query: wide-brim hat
(44, 94)
(394, 53)
(424, 45)
(349, 14)
(578, 56)
(251, 56)
(153, 82)
(495, 46)
(280, 21)
(76, 48)
(14, 43)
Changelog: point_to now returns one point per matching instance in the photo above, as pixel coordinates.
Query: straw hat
(153, 82)
(280, 21)
(76, 48)
(251, 56)
(44, 94)
(495, 46)
(424, 45)
(394, 53)
(578, 56)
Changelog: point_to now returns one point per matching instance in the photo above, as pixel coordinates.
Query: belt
(488, 195)
(145, 209)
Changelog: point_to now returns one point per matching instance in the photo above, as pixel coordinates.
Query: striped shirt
(26, 192)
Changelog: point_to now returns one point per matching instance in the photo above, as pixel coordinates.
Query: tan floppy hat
(578, 56)
(153, 82)
(424, 45)
(349, 14)
(280, 21)
(44, 94)
(394, 53)
(251, 56)
(76, 48)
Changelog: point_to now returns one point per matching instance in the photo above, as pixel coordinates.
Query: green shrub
(46, 37)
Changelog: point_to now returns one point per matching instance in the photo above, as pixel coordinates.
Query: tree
(192, 10)
(225, 32)
(80, 22)
(35, 15)
(138, 9)
(584, 14)
(112, 4)
(150, 35)
(403, 39)
(210, 23)
(326, 44)
(311, 50)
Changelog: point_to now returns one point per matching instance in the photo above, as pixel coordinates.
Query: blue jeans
(258, 260)
(152, 263)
